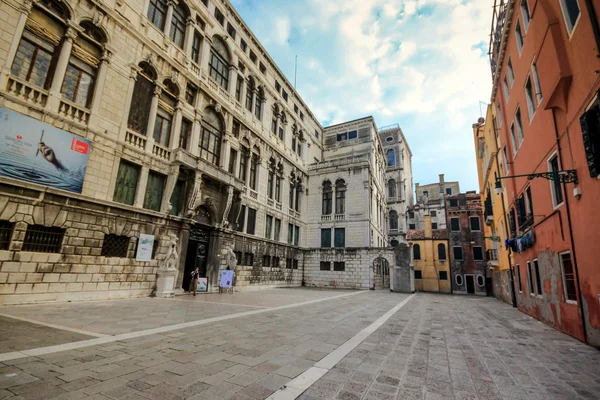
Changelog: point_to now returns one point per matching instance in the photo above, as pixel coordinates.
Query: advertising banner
(144, 250)
(35, 152)
(202, 285)
(226, 279)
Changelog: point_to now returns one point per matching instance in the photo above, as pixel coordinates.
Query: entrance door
(470, 284)
(197, 254)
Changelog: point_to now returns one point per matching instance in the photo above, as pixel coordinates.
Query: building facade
(399, 183)
(490, 165)
(430, 202)
(149, 119)
(430, 258)
(544, 58)
(466, 244)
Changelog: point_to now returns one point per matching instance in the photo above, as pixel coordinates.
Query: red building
(546, 70)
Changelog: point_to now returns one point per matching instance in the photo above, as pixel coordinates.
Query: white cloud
(282, 29)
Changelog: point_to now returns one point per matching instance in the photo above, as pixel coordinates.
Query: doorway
(197, 254)
(470, 284)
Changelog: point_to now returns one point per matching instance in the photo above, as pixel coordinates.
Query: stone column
(100, 79)
(248, 167)
(189, 37)
(225, 221)
(195, 141)
(205, 53)
(225, 153)
(169, 17)
(170, 187)
(61, 68)
(232, 78)
(141, 189)
(176, 129)
(152, 119)
(132, 78)
(24, 10)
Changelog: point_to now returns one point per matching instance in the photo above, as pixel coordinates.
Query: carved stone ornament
(230, 258)
(174, 76)
(225, 222)
(172, 258)
(150, 58)
(218, 108)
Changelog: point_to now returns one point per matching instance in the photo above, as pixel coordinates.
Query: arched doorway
(381, 273)
(198, 245)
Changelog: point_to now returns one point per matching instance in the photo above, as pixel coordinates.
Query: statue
(230, 258)
(172, 257)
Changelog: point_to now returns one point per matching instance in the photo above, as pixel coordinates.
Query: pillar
(204, 54)
(61, 68)
(169, 17)
(232, 78)
(141, 189)
(195, 141)
(189, 37)
(176, 129)
(100, 79)
(130, 87)
(225, 153)
(152, 119)
(24, 10)
(166, 206)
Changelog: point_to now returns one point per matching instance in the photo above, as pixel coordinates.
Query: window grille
(115, 246)
(339, 266)
(325, 266)
(295, 264)
(6, 229)
(43, 239)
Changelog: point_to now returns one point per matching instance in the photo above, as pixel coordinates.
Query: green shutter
(126, 185)
(154, 191)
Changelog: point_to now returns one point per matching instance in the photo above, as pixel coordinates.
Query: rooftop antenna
(296, 72)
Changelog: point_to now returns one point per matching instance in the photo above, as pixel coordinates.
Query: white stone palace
(153, 118)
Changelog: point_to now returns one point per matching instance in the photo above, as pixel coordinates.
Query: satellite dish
(481, 120)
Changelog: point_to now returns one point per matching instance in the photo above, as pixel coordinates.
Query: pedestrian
(194, 283)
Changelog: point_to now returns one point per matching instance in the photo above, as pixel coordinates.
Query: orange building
(545, 61)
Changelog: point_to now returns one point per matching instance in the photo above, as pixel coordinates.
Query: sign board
(202, 285)
(35, 152)
(226, 279)
(144, 249)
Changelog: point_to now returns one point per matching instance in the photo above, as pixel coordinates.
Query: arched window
(210, 141)
(327, 198)
(393, 220)
(340, 196)
(282, 124)
(271, 178)
(275, 120)
(164, 117)
(250, 93)
(157, 13)
(391, 158)
(260, 98)
(392, 188)
(441, 252)
(140, 105)
(278, 179)
(219, 62)
(416, 252)
(395, 243)
(254, 162)
(299, 190)
(178, 24)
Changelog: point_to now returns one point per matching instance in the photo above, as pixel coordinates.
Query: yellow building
(430, 258)
(491, 163)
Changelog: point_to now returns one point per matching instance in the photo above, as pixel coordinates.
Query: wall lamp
(567, 176)
(493, 238)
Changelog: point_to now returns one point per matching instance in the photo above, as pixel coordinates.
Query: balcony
(253, 194)
(270, 202)
(491, 257)
(340, 217)
(136, 140)
(27, 92)
(325, 218)
(161, 152)
(74, 112)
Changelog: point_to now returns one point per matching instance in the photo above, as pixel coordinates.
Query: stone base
(165, 284)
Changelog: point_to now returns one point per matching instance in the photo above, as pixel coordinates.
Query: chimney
(442, 178)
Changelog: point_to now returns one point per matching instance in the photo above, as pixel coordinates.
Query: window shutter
(590, 129)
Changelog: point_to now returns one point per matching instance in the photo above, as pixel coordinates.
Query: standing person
(194, 282)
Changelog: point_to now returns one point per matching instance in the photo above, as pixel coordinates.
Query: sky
(420, 63)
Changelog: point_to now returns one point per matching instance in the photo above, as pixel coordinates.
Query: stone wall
(501, 286)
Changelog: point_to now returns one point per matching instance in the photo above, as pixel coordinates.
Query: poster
(226, 279)
(202, 285)
(144, 249)
(35, 152)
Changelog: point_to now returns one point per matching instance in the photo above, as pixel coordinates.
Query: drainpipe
(570, 229)
(595, 27)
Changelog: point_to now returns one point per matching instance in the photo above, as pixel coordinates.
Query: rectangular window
(295, 264)
(296, 235)
(505, 88)
(536, 83)
(455, 224)
(519, 37)
(43, 239)
(196, 47)
(513, 139)
(262, 68)
(511, 73)
(478, 253)
(454, 203)
(449, 191)
(78, 82)
(538, 278)
(339, 266)
(530, 286)
(433, 213)
(126, 185)
(157, 12)
(186, 134)
(458, 253)
(412, 226)
(571, 13)
(418, 274)
(505, 156)
(475, 223)
(529, 201)
(240, 220)
(190, 94)
(115, 246)
(296, 109)
(530, 98)
(434, 225)
(243, 162)
(519, 284)
(232, 161)
(325, 266)
(252, 57)
(568, 271)
(277, 232)
(277, 86)
(243, 45)
(555, 185)
(443, 275)
(251, 221)
(6, 230)
(219, 16)
(285, 95)
(231, 30)
(268, 226)
(411, 214)
(519, 126)
(154, 191)
(525, 14)
(248, 259)
(177, 199)
(236, 128)
(340, 238)
(238, 88)
(162, 128)
(290, 234)
(326, 237)
(499, 114)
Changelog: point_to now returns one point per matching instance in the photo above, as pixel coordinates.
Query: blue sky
(419, 63)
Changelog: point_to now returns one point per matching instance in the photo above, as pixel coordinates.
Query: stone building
(399, 179)
(430, 258)
(430, 202)
(466, 242)
(145, 119)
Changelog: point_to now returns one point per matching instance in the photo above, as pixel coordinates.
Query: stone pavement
(434, 347)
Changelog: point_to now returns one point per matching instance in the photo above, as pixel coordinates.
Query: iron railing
(43, 239)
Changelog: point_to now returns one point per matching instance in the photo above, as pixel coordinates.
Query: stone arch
(96, 32)
(381, 273)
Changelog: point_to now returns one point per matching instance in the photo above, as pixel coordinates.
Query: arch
(211, 135)
(148, 70)
(178, 24)
(58, 8)
(392, 188)
(220, 58)
(221, 47)
(206, 215)
(416, 252)
(393, 220)
(327, 197)
(172, 87)
(391, 157)
(93, 31)
(381, 273)
(213, 118)
(395, 243)
(442, 252)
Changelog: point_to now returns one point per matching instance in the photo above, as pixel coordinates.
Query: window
(290, 233)
(511, 73)
(480, 280)
(434, 225)
(262, 68)
(519, 37)
(411, 214)
(519, 126)
(525, 14)
(253, 171)
(458, 253)
(442, 252)
(393, 220)
(392, 188)
(538, 279)
(196, 47)
(219, 16)
(231, 30)
(243, 162)
(6, 230)
(571, 13)
(296, 235)
(294, 140)
(418, 274)
(426, 193)
(190, 94)
(292, 192)
(248, 259)
(243, 45)
(455, 224)
(325, 266)
(139, 112)
(505, 88)
(43, 239)
(210, 138)
(238, 88)
(302, 119)
(178, 25)
(249, 93)
(277, 232)
(268, 226)
(530, 99)
(505, 157)
(296, 108)
(327, 198)
(475, 223)
(252, 57)
(126, 184)
(157, 13)
(241, 219)
(295, 264)
(433, 213)
(391, 158)
(219, 63)
(443, 275)
(529, 204)
(499, 114)
(459, 280)
(339, 238)
(270, 183)
(285, 95)
(339, 266)
(186, 134)
(326, 237)
(519, 285)
(530, 286)
(258, 103)
(555, 185)
(416, 252)
(115, 246)
(278, 188)
(449, 191)
(251, 221)
(154, 191)
(232, 161)
(412, 226)
(340, 196)
(568, 272)
(536, 83)
(478, 253)
(513, 139)
(277, 86)
(162, 128)
(177, 198)
(78, 83)
(236, 128)
(453, 203)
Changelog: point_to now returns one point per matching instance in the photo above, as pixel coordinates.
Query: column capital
(26, 7)
(71, 34)
(157, 90)
(173, 3)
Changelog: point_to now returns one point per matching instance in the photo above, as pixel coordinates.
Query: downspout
(570, 229)
(595, 27)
